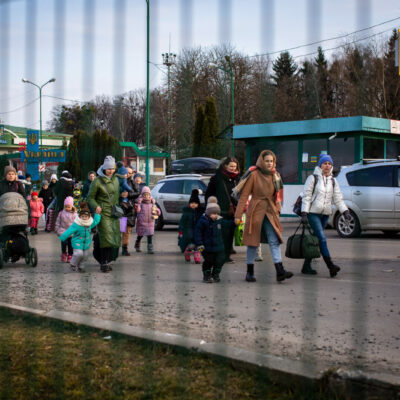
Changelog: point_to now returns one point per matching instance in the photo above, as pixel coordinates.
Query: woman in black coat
(64, 188)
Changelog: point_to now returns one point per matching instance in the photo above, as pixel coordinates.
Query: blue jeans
(273, 242)
(318, 223)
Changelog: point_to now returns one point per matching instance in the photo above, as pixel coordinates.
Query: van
(194, 165)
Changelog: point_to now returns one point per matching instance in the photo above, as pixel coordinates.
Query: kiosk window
(373, 148)
(287, 160)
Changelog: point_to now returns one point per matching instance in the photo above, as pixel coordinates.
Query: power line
(20, 108)
(61, 98)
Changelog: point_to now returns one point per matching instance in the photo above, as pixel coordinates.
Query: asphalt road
(352, 320)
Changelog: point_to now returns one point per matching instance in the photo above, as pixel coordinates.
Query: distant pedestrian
(190, 216)
(80, 235)
(128, 206)
(136, 188)
(147, 212)
(86, 185)
(46, 194)
(10, 182)
(64, 220)
(63, 188)
(28, 185)
(321, 190)
(208, 239)
(53, 182)
(138, 178)
(37, 210)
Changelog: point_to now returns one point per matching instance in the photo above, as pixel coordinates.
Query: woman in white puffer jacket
(320, 191)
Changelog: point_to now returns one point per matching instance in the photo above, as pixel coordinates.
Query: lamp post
(40, 110)
(230, 72)
(168, 61)
(148, 96)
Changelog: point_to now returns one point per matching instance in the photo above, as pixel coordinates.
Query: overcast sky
(95, 55)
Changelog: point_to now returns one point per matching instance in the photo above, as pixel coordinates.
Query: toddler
(128, 206)
(147, 212)
(122, 175)
(37, 210)
(64, 220)
(81, 237)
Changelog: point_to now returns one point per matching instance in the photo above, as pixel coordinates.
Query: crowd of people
(113, 200)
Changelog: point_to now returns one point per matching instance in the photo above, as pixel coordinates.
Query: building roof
(142, 152)
(315, 126)
(18, 130)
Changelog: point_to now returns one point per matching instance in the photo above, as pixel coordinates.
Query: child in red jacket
(37, 210)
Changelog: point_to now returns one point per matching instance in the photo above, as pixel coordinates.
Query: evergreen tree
(198, 131)
(210, 141)
(284, 67)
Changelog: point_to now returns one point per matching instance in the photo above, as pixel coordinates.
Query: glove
(304, 218)
(347, 215)
(200, 248)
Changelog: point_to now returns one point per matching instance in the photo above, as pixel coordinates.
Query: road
(352, 320)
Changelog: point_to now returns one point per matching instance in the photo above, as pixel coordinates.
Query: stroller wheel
(1, 258)
(28, 257)
(34, 257)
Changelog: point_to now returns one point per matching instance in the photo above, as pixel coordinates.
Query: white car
(371, 191)
(173, 193)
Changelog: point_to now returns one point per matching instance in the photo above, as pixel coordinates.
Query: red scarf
(231, 175)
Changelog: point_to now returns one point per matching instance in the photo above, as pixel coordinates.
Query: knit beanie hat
(212, 206)
(54, 176)
(44, 183)
(69, 201)
(145, 189)
(83, 208)
(194, 197)
(9, 168)
(109, 163)
(34, 194)
(138, 175)
(66, 174)
(122, 171)
(324, 158)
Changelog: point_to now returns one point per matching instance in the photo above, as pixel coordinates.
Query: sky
(98, 47)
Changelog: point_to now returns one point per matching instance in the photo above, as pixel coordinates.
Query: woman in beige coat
(265, 186)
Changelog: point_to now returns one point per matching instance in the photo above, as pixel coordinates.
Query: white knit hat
(109, 163)
(212, 206)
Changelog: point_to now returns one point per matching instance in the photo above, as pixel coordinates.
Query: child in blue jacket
(80, 231)
(208, 239)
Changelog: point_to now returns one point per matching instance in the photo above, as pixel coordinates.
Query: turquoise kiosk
(298, 144)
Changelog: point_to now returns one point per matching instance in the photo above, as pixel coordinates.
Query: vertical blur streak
(119, 45)
(363, 13)
(314, 22)
(225, 21)
(59, 46)
(88, 48)
(267, 25)
(4, 51)
(186, 22)
(30, 57)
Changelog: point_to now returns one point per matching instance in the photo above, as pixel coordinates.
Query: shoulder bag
(302, 245)
(116, 210)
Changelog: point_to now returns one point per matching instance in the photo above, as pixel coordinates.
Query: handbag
(231, 209)
(239, 230)
(123, 223)
(116, 210)
(303, 245)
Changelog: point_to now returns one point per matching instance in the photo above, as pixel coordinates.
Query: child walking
(208, 239)
(190, 215)
(128, 206)
(64, 220)
(147, 212)
(81, 240)
(37, 210)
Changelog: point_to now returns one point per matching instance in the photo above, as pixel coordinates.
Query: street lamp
(230, 72)
(168, 61)
(148, 96)
(40, 102)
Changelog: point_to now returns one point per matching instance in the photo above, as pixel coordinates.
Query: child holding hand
(64, 220)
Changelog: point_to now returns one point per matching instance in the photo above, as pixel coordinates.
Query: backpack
(297, 205)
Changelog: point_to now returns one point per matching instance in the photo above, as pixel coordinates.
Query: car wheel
(390, 233)
(159, 223)
(348, 229)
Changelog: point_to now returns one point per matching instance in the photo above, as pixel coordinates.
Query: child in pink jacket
(65, 219)
(37, 210)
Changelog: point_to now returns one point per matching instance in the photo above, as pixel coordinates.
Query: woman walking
(265, 186)
(220, 186)
(103, 195)
(320, 190)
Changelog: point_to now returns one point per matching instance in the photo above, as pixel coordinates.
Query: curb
(349, 384)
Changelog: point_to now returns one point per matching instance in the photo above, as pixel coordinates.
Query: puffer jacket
(37, 208)
(208, 233)
(64, 220)
(325, 193)
(80, 232)
(144, 219)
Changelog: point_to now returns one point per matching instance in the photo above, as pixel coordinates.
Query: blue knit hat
(122, 171)
(324, 158)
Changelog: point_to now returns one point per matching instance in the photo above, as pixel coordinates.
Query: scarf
(83, 222)
(231, 175)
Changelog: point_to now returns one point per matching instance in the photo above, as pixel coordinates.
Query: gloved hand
(200, 248)
(347, 215)
(304, 218)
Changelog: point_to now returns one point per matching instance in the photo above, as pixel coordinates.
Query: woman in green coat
(103, 194)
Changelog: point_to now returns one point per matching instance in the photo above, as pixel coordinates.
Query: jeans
(79, 257)
(318, 223)
(273, 242)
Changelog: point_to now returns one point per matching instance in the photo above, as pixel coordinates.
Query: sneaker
(207, 279)
(105, 268)
(64, 257)
(258, 258)
(69, 258)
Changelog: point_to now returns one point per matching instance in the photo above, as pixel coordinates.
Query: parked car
(173, 193)
(194, 165)
(371, 191)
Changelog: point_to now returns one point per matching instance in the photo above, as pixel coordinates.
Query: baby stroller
(14, 242)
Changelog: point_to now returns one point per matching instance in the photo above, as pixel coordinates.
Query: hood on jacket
(260, 160)
(318, 171)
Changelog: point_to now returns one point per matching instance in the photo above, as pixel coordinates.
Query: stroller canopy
(13, 210)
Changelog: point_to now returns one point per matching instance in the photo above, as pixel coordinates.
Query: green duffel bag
(302, 245)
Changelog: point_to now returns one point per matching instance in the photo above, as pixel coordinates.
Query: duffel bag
(302, 245)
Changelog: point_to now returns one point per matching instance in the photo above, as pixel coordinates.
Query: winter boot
(207, 278)
(150, 248)
(307, 268)
(35, 231)
(250, 273)
(105, 268)
(215, 274)
(196, 256)
(137, 246)
(69, 258)
(281, 273)
(333, 269)
(125, 251)
(64, 257)
(188, 252)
